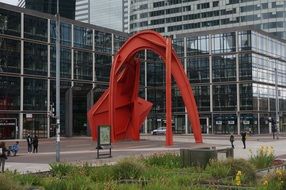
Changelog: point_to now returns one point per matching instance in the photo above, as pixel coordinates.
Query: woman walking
(3, 156)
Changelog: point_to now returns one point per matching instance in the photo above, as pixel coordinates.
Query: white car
(159, 131)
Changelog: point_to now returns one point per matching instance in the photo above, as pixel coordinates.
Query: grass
(159, 171)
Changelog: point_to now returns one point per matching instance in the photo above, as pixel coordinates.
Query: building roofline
(230, 29)
(65, 20)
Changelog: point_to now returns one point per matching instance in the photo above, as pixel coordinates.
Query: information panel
(104, 135)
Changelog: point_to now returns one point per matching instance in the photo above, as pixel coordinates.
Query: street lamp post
(58, 83)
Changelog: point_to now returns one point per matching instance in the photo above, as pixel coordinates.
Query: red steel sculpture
(122, 109)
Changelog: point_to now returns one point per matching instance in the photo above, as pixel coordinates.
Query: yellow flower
(238, 178)
(265, 182)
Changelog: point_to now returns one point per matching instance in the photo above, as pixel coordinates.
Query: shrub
(218, 169)
(28, 179)
(275, 180)
(246, 168)
(263, 158)
(165, 160)
(7, 183)
(61, 169)
(101, 173)
(128, 169)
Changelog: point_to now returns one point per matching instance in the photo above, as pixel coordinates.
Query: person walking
(231, 139)
(274, 129)
(243, 138)
(29, 143)
(35, 144)
(3, 156)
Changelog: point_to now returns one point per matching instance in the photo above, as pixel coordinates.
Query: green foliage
(218, 169)
(165, 160)
(100, 174)
(275, 180)
(246, 168)
(61, 169)
(128, 169)
(28, 179)
(7, 183)
(263, 158)
(159, 171)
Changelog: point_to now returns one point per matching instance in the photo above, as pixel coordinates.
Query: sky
(12, 2)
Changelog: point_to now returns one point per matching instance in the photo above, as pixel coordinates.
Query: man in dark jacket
(35, 144)
(243, 138)
(29, 143)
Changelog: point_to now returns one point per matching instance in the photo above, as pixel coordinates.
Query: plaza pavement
(82, 149)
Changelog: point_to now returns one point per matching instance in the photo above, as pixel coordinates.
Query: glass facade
(172, 17)
(233, 74)
(28, 69)
(66, 8)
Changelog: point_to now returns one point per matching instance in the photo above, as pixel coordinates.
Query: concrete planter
(201, 157)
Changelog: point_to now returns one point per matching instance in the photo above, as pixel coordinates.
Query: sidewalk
(82, 150)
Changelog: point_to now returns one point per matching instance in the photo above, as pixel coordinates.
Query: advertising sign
(245, 122)
(231, 122)
(104, 135)
(8, 122)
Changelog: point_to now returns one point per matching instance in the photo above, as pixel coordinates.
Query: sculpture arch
(120, 105)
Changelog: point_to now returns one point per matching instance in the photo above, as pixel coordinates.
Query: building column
(69, 94)
(258, 111)
(145, 88)
(186, 71)
(93, 60)
(69, 112)
(237, 84)
(21, 116)
(112, 47)
(211, 83)
(72, 55)
(49, 82)
(89, 104)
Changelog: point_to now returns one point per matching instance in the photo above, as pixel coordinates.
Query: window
(203, 6)
(35, 59)
(35, 28)
(158, 4)
(10, 52)
(215, 3)
(10, 23)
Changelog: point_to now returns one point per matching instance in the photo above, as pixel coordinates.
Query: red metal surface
(168, 62)
(120, 105)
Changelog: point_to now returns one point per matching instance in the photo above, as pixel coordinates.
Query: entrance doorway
(204, 125)
(8, 128)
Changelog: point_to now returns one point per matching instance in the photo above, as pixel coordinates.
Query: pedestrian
(243, 138)
(3, 156)
(231, 139)
(35, 144)
(274, 130)
(29, 143)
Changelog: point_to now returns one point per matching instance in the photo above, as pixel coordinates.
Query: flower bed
(158, 171)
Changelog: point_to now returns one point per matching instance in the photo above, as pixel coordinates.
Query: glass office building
(173, 17)
(27, 71)
(109, 13)
(237, 76)
(232, 73)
